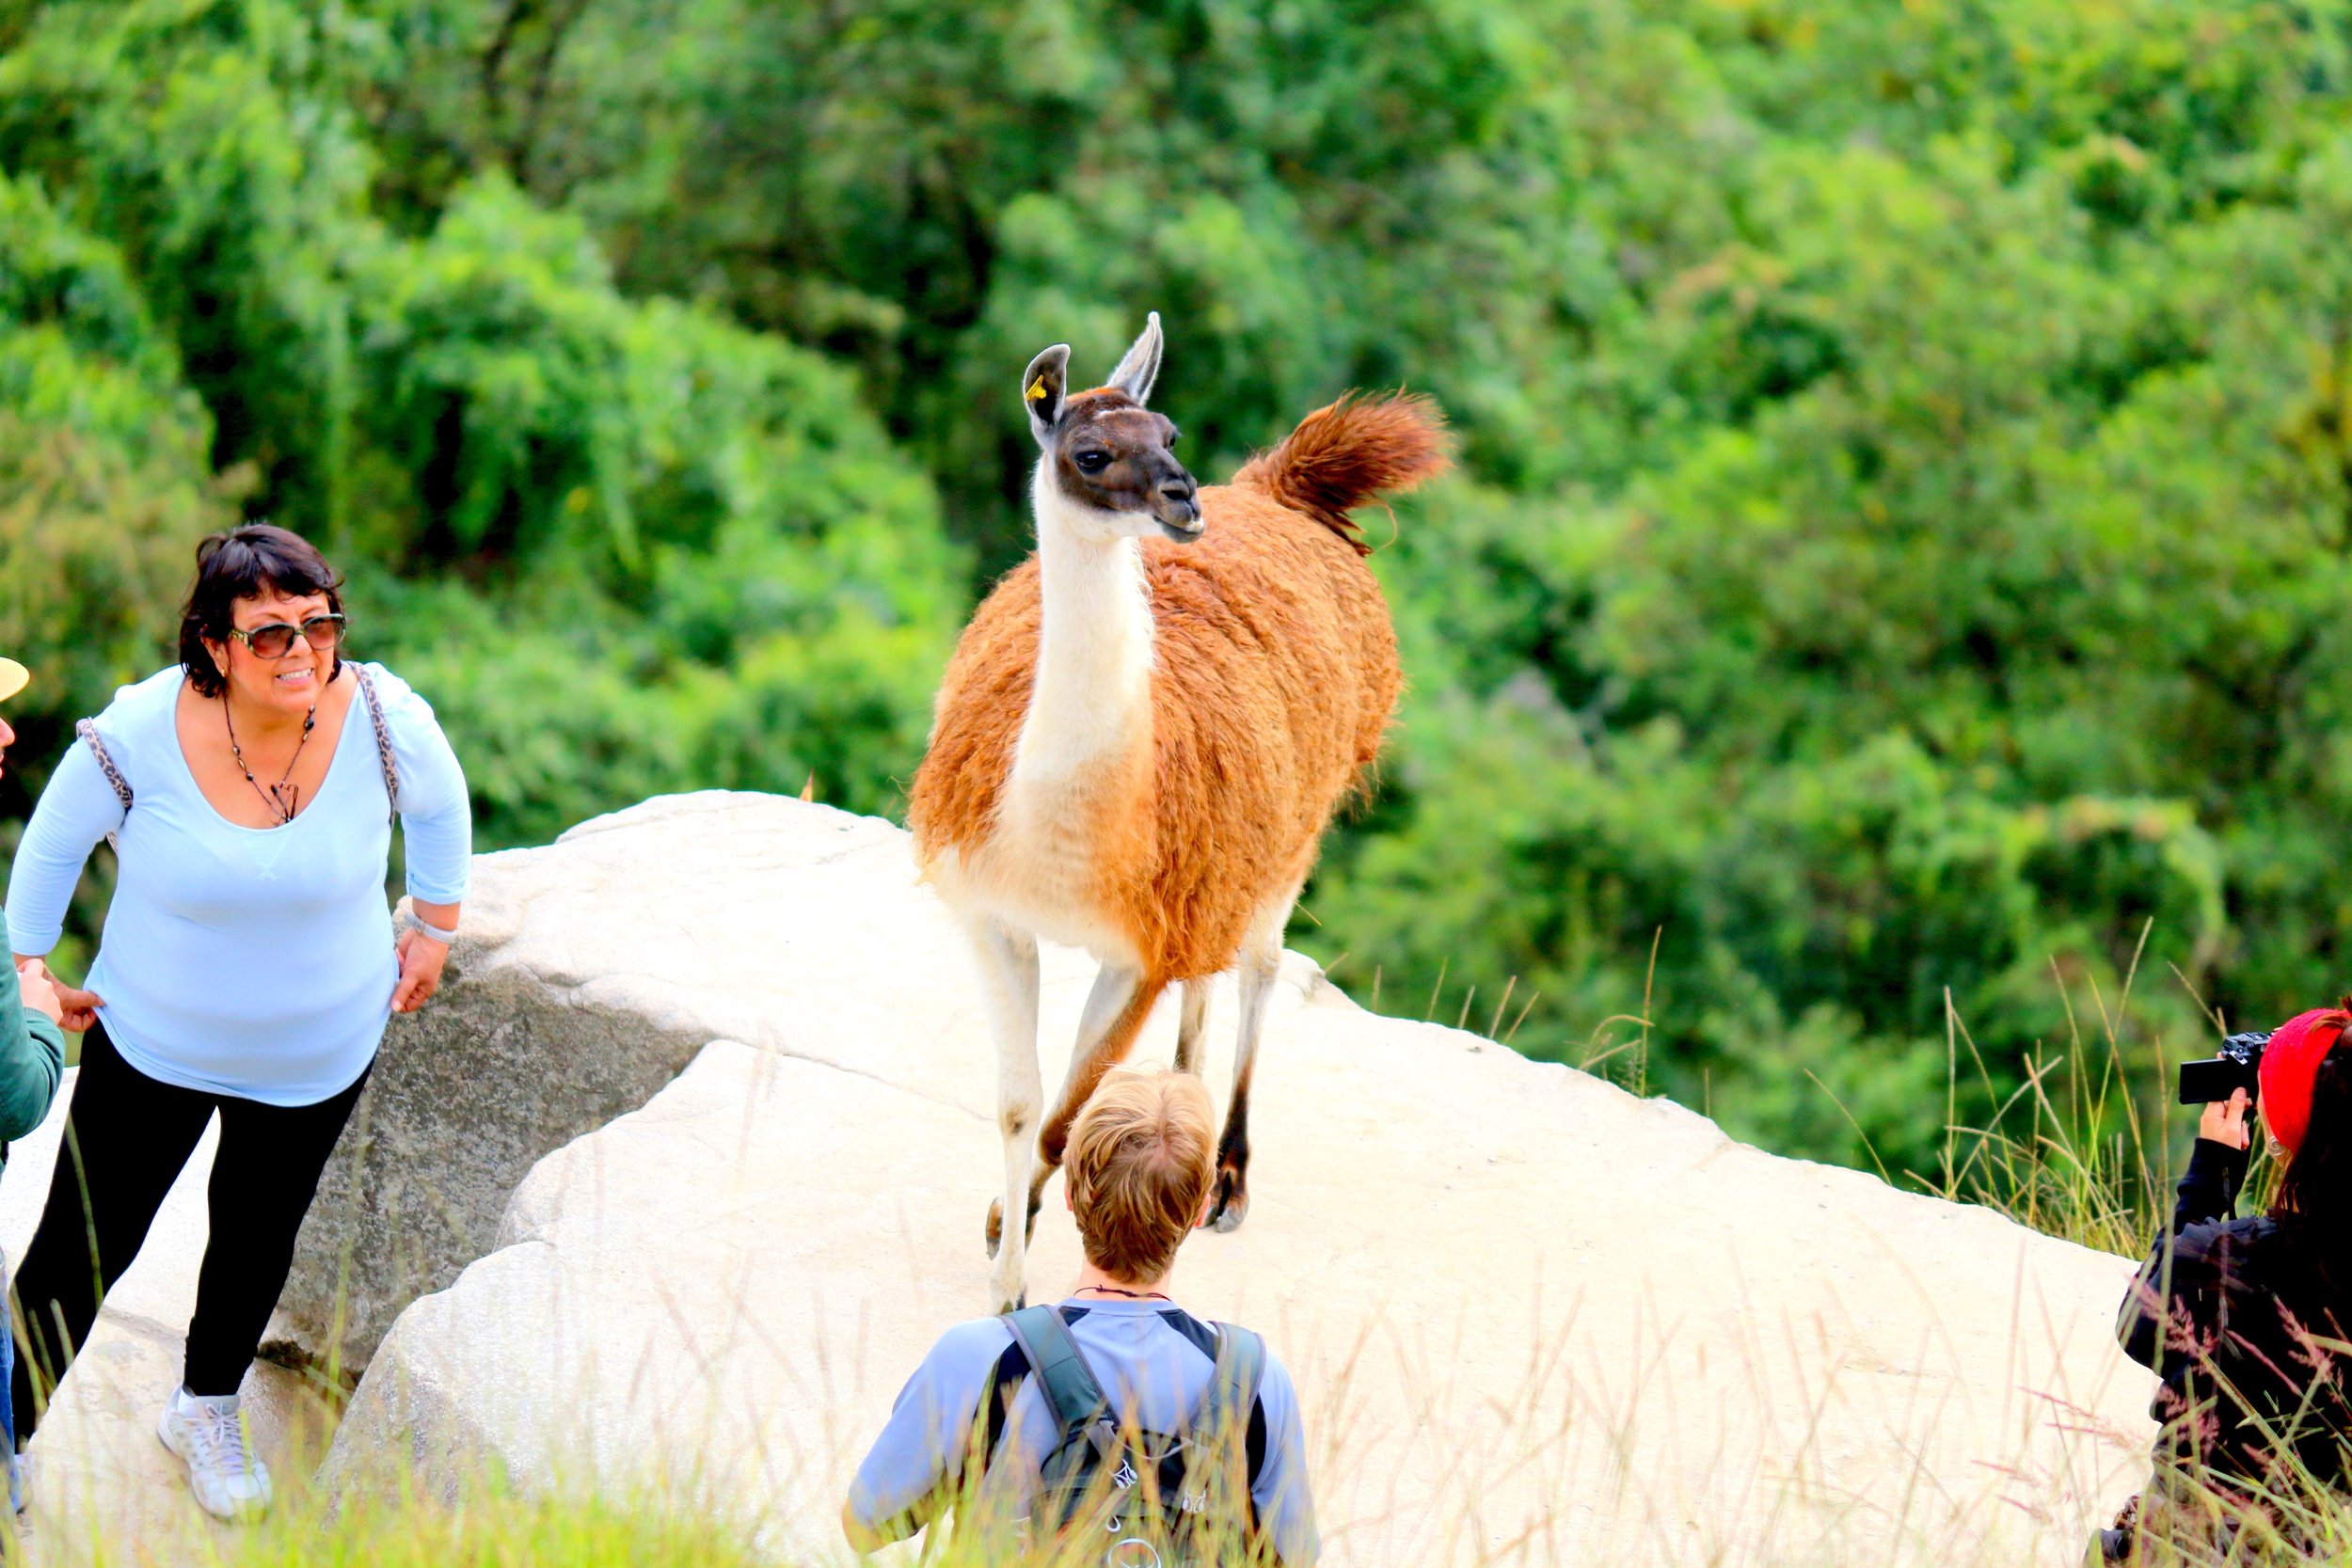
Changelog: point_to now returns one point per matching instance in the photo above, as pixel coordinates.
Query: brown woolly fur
(1341, 456)
(1274, 672)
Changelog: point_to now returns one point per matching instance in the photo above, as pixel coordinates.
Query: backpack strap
(384, 758)
(1004, 1385)
(1233, 1388)
(1061, 1367)
(1236, 1381)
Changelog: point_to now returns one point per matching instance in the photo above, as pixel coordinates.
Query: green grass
(496, 1526)
(494, 1529)
(2078, 1149)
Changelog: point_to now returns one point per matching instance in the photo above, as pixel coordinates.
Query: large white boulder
(1533, 1318)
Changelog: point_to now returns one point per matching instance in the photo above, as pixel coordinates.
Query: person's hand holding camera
(2223, 1121)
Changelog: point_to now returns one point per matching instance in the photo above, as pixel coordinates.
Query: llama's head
(1108, 465)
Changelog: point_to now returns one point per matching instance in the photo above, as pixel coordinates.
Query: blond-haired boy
(1140, 1173)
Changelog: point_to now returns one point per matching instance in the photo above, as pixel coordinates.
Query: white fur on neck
(1093, 690)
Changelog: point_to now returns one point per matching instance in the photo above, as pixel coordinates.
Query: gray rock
(1533, 1319)
(585, 976)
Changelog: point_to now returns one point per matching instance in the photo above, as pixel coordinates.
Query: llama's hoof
(996, 1231)
(1232, 1205)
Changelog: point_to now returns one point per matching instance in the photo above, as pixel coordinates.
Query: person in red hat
(2245, 1319)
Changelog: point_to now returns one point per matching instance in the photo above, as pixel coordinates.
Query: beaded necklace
(283, 797)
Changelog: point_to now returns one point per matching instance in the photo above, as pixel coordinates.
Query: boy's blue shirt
(1154, 1376)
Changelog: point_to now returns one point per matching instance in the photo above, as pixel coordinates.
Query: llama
(1144, 729)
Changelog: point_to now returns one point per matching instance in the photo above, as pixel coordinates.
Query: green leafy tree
(1893, 587)
(626, 545)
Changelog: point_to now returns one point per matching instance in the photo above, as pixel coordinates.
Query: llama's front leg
(1116, 1008)
(1258, 972)
(1008, 983)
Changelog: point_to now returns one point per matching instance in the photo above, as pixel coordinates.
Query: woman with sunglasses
(248, 962)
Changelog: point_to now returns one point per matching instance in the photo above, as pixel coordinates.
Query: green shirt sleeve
(32, 1054)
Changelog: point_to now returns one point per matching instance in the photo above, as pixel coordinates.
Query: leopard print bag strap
(88, 730)
(383, 741)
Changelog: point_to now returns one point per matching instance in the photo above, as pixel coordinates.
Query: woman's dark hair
(245, 564)
(2317, 1185)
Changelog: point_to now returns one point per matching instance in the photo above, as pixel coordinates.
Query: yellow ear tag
(1037, 389)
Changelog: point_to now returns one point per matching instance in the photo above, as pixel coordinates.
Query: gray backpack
(1150, 1499)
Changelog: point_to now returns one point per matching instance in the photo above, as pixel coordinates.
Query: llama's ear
(1141, 366)
(1041, 388)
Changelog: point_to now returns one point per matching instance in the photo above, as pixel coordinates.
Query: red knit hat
(2289, 1063)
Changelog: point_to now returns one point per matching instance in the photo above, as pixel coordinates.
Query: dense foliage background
(1904, 550)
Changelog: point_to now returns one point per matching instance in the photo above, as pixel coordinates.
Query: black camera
(2236, 1065)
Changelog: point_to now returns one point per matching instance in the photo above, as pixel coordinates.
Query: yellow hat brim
(12, 678)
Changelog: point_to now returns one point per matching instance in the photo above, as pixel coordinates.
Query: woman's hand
(76, 1010)
(39, 991)
(2224, 1121)
(420, 960)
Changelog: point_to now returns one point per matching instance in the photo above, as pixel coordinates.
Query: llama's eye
(1092, 462)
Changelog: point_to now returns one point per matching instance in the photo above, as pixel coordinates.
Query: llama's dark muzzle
(1181, 521)
(1177, 509)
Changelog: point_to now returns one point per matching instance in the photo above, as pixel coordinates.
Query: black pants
(126, 1139)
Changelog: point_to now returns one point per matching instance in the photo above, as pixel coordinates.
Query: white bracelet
(444, 938)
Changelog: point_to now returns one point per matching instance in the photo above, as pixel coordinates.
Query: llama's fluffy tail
(1353, 451)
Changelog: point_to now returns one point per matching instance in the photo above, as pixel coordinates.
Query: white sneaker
(228, 1478)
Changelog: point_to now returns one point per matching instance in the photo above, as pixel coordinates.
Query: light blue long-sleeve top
(250, 962)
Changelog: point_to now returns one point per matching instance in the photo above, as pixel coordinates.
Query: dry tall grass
(2080, 1150)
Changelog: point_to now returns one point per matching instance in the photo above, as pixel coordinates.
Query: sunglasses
(277, 640)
